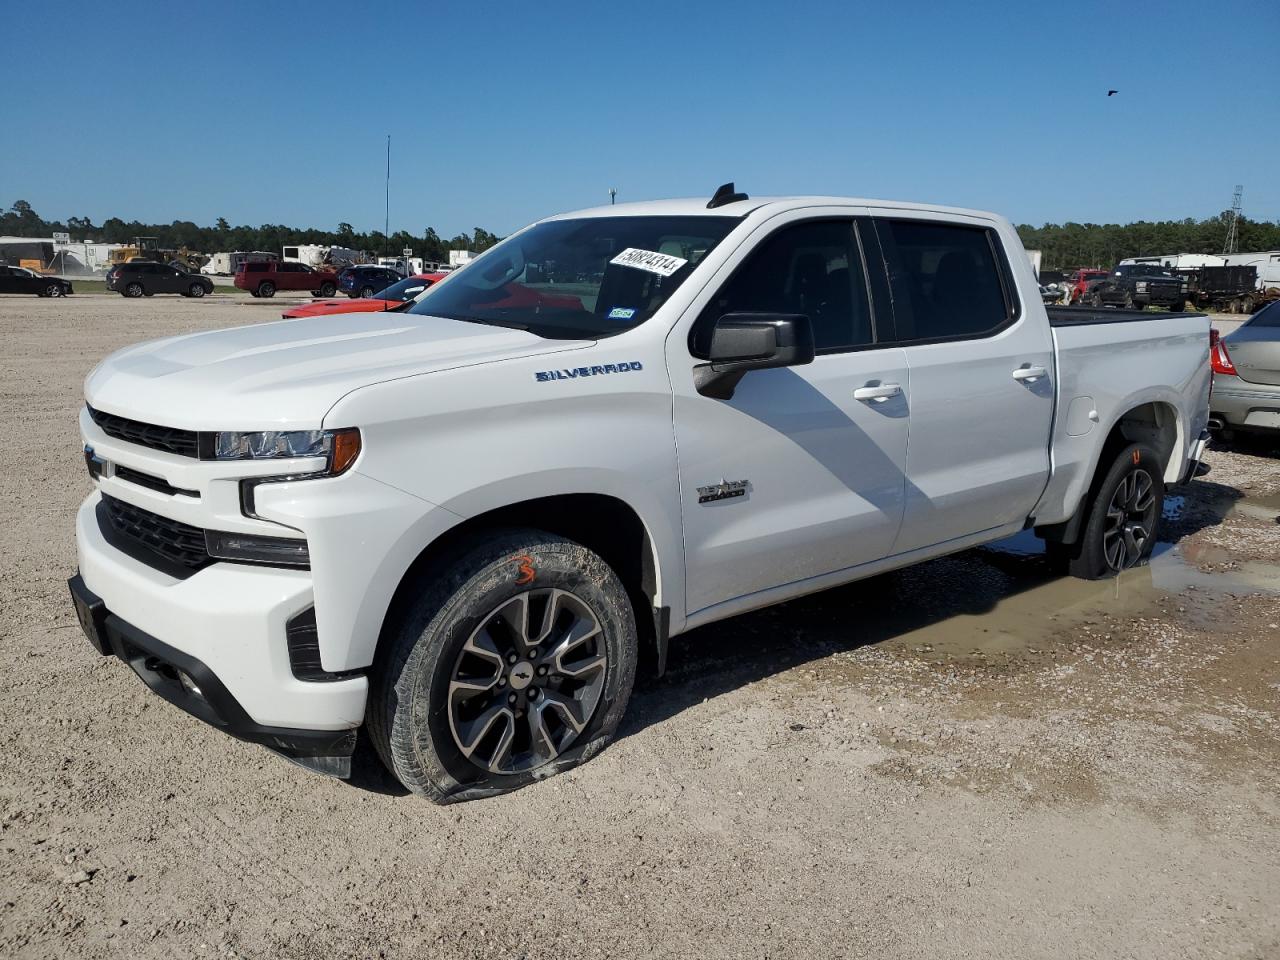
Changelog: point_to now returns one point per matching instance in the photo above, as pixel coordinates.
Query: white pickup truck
(461, 525)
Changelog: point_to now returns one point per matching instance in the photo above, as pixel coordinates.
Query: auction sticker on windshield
(659, 263)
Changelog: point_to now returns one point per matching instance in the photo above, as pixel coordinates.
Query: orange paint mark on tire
(525, 566)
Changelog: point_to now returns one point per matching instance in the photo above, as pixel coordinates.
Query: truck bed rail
(1060, 316)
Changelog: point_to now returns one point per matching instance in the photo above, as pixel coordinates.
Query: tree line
(1062, 245)
(1070, 245)
(22, 221)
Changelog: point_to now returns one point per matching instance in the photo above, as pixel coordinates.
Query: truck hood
(291, 372)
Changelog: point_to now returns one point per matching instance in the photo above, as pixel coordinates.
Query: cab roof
(697, 206)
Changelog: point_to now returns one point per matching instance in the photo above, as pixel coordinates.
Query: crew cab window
(813, 268)
(947, 280)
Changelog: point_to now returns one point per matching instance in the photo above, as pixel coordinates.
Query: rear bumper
(1255, 407)
(189, 684)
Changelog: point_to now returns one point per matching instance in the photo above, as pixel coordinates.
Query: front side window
(573, 279)
(811, 268)
(946, 280)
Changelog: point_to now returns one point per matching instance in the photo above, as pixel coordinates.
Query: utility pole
(386, 224)
(613, 192)
(1233, 229)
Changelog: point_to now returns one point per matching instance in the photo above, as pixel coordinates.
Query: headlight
(339, 447)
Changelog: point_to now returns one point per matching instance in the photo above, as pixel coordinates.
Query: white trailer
(460, 258)
(226, 264)
(1267, 263)
(1179, 261)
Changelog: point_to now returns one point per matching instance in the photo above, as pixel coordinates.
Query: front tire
(328, 290)
(366, 292)
(197, 290)
(1123, 517)
(55, 290)
(515, 662)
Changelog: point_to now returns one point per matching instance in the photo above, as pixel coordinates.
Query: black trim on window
(882, 325)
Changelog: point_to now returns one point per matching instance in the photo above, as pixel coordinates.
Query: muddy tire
(513, 663)
(1124, 508)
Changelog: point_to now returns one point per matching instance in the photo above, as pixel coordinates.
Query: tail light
(1219, 359)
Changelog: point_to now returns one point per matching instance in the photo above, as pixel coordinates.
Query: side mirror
(742, 342)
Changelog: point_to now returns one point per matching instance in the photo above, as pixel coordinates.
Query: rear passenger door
(980, 367)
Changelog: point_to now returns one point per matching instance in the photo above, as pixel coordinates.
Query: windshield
(579, 279)
(403, 290)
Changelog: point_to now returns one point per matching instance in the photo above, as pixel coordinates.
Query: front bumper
(189, 683)
(230, 620)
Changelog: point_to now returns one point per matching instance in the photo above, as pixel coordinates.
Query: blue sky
(503, 112)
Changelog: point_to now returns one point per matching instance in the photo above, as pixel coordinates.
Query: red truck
(264, 279)
(1080, 281)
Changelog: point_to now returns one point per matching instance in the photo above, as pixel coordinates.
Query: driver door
(802, 472)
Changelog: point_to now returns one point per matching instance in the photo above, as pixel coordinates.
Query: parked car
(264, 278)
(22, 280)
(393, 297)
(140, 278)
(1136, 286)
(1246, 375)
(1080, 281)
(460, 527)
(366, 279)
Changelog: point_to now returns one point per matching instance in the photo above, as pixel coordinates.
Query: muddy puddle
(1003, 599)
(998, 603)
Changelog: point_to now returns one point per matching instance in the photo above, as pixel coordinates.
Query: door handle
(1029, 374)
(879, 393)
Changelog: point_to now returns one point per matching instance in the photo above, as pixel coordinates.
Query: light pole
(613, 192)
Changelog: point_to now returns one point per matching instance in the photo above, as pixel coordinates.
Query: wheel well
(1155, 424)
(604, 524)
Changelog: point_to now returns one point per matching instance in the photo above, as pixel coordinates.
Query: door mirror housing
(742, 342)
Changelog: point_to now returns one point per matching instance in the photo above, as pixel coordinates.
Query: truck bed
(1060, 316)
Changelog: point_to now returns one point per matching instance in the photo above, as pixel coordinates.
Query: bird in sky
(1112, 93)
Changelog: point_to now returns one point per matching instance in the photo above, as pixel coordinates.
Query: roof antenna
(725, 194)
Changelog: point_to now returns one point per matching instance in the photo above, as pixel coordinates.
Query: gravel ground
(967, 759)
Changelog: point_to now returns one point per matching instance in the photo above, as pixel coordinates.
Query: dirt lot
(967, 759)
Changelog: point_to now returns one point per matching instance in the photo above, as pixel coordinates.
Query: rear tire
(367, 292)
(1123, 518)
(474, 694)
(266, 289)
(133, 290)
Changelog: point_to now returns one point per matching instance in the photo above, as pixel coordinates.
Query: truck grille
(185, 443)
(172, 540)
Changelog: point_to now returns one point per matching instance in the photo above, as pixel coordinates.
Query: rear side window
(1268, 316)
(813, 268)
(948, 280)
